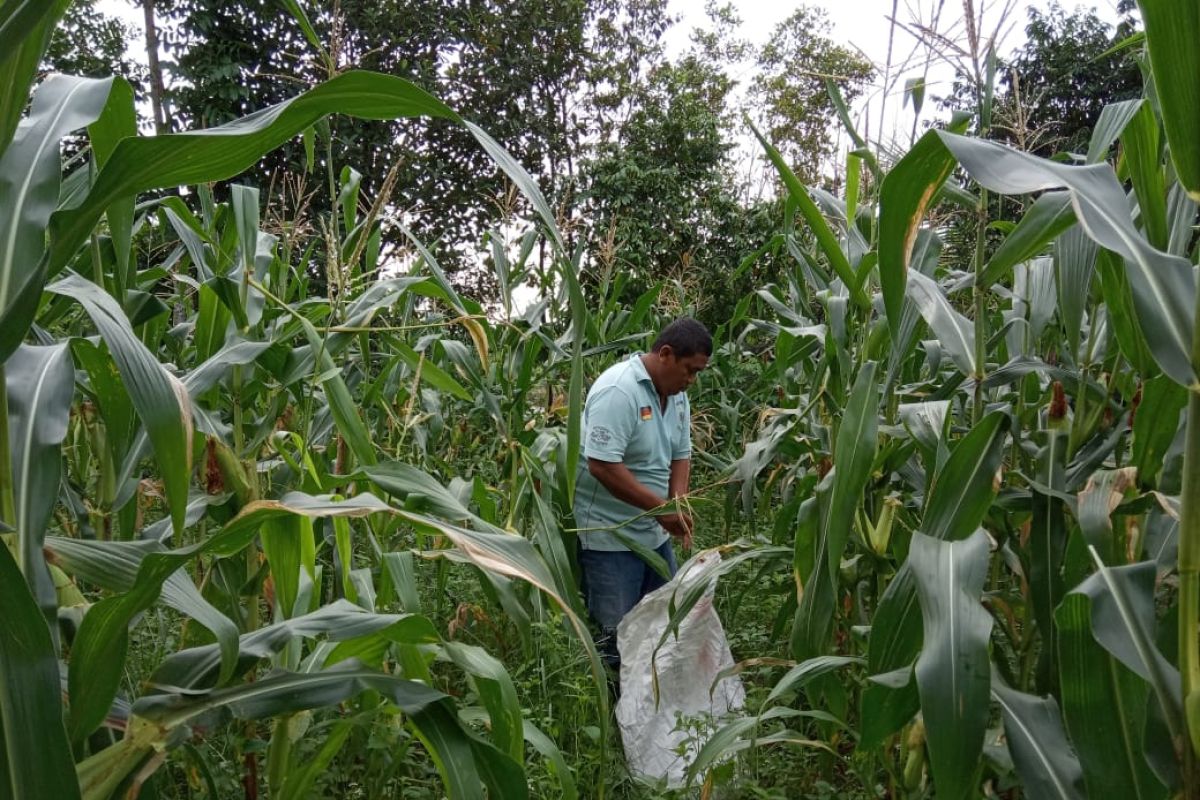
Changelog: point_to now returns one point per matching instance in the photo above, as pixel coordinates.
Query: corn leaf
(953, 668)
(1172, 30)
(1039, 747)
(35, 758)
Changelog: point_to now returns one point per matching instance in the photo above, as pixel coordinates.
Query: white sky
(863, 25)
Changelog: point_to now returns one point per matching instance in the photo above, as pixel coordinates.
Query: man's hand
(678, 525)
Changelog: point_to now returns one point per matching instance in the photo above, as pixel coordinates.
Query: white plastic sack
(687, 665)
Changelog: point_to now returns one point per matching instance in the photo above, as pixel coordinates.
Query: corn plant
(984, 469)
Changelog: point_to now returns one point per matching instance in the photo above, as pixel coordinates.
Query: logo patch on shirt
(646, 413)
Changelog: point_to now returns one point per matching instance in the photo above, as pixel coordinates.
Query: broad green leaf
(429, 371)
(907, 194)
(1099, 498)
(30, 170)
(1141, 151)
(118, 121)
(1109, 127)
(955, 332)
(495, 688)
(724, 742)
(964, 487)
(341, 403)
(461, 757)
(1123, 621)
(812, 216)
(1164, 286)
(340, 621)
(25, 30)
(1074, 267)
(1172, 30)
(1122, 313)
(40, 384)
(144, 163)
(801, 674)
(297, 11)
(839, 497)
(160, 399)
(98, 654)
(288, 544)
(114, 566)
(558, 765)
(953, 670)
(1104, 708)
(1048, 216)
(1041, 753)
(1047, 544)
(35, 757)
(1154, 426)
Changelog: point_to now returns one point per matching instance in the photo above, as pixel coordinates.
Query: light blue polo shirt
(623, 421)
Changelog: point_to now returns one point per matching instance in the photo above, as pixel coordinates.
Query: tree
(1061, 78)
(89, 42)
(523, 70)
(794, 66)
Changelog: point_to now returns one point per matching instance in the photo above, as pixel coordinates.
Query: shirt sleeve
(681, 448)
(609, 422)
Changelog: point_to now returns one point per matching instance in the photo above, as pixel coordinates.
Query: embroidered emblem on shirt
(600, 435)
(645, 413)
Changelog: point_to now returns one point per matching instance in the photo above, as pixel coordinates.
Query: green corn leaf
(813, 217)
(98, 654)
(838, 498)
(1109, 127)
(25, 30)
(30, 170)
(1047, 544)
(160, 399)
(114, 566)
(1155, 426)
(1122, 620)
(1104, 708)
(1164, 286)
(1172, 30)
(1141, 151)
(35, 758)
(908, 192)
(955, 332)
(1041, 753)
(953, 668)
(1048, 217)
(40, 384)
(499, 695)
(1074, 268)
(340, 621)
(963, 489)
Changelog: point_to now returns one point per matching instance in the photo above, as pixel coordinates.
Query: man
(637, 448)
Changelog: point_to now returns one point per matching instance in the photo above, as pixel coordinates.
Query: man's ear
(665, 351)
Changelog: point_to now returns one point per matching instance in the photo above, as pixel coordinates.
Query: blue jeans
(613, 583)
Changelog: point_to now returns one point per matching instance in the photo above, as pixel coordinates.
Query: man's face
(678, 373)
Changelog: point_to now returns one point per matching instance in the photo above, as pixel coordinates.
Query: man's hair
(686, 337)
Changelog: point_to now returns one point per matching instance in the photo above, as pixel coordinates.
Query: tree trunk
(156, 81)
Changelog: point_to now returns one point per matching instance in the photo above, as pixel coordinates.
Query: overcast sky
(863, 25)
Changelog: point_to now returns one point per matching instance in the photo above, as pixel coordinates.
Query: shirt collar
(639, 369)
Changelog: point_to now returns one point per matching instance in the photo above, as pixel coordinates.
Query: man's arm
(681, 475)
(621, 484)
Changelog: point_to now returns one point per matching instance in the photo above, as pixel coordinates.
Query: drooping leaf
(30, 170)
(1164, 286)
(158, 396)
(1050, 215)
(1041, 753)
(954, 331)
(906, 195)
(41, 385)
